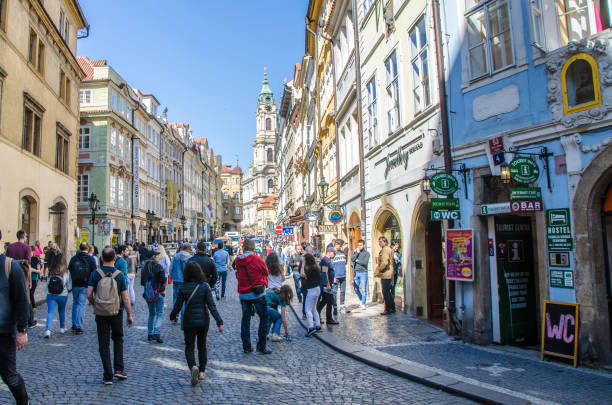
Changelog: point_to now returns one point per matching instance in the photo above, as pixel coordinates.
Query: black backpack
(56, 285)
(80, 271)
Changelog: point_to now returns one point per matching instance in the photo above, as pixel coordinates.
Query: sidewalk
(414, 349)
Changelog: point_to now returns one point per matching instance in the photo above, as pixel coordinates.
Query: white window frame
(112, 190)
(538, 34)
(83, 187)
(112, 140)
(82, 137)
(392, 89)
(86, 97)
(421, 84)
(120, 192)
(483, 6)
(372, 113)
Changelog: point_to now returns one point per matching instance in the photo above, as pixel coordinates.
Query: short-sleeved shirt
(121, 265)
(19, 251)
(274, 299)
(122, 281)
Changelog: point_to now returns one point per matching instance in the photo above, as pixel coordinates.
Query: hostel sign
(559, 230)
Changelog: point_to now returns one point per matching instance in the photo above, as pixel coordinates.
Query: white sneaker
(276, 338)
(47, 334)
(362, 306)
(62, 330)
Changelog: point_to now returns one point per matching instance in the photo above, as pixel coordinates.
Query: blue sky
(203, 59)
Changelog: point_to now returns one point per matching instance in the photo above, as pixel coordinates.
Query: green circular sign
(524, 170)
(444, 183)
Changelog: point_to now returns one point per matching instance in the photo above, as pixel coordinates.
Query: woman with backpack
(153, 279)
(197, 296)
(58, 287)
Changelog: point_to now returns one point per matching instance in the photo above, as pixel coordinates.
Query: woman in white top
(58, 286)
(164, 260)
(275, 276)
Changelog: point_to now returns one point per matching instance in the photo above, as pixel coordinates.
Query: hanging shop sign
(84, 235)
(335, 216)
(524, 170)
(559, 230)
(444, 183)
(562, 278)
(327, 228)
(312, 216)
(497, 208)
(401, 156)
(445, 209)
(459, 255)
(525, 206)
(560, 330)
(526, 194)
(496, 146)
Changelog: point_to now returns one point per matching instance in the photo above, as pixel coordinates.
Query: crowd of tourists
(198, 281)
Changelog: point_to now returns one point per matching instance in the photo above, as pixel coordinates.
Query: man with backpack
(153, 279)
(80, 267)
(14, 309)
(107, 292)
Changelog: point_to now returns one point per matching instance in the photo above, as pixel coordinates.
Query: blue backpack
(151, 289)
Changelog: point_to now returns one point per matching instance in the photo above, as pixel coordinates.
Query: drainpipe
(448, 162)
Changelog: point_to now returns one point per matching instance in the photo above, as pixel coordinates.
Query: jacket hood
(183, 256)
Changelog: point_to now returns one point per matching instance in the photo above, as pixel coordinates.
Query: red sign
(525, 206)
(496, 145)
(279, 229)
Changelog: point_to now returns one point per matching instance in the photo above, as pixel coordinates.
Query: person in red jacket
(252, 275)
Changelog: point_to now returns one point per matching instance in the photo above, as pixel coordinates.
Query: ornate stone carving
(554, 66)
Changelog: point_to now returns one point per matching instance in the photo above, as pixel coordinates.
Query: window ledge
(486, 80)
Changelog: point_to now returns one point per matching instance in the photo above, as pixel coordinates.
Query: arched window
(580, 84)
(270, 185)
(268, 124)
(270, 154)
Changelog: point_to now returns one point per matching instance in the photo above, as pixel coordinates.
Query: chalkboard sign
(560, 330)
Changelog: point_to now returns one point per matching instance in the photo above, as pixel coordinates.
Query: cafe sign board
(524, 170)
(559, 230)
(444, 183)
(526, 194)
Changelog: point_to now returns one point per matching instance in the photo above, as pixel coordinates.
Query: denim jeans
(261, 308)
(156, 312)
(55, 303)
(175, 291)
(8, 369)
(327, 301)
(79, 301)
(298, 290)
(110, 327)
(360, 283)
(275, 319)
(312, 315)
(341, 285)
(221, 280)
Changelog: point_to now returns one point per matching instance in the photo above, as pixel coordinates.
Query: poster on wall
(459, 255)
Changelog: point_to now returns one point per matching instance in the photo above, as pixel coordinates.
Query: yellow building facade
(39, 119)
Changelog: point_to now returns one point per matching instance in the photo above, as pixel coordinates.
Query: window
(113, 189)
(489, 40)
(83, 187)
(62, 148)
(62, 18)
(420, 67)
(236, 180)
(392, 93)
(64, 87)
(270, 185)
(237, 210)
(270, 155)
(365, 5)
(224, 181)
(225, 196)
(225, 212)
(113, 139)
(120, 192)
(236, 196)
(32, 47)
(85, 97)
(580, 84)
(3, 14)
(40, 63)
(32, 127)
(66, 31)
(372, 123)
(537, 23)
(113, 100)
(120, 146)
(84, 138)
(268, 124)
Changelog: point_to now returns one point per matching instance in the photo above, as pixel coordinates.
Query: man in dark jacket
(153, 272)
(360, 259)
(81, 266)
(295, 265)
(14, 310)
(206, 264)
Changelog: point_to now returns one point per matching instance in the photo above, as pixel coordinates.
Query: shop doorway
(389, 227)
(27, 218)
(354, 235)
(435, 272)
(516, 280)
(606, 220)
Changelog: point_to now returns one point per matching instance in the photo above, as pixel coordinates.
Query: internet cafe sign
(401, 156)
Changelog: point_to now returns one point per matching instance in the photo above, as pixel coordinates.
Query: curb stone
(414, 373)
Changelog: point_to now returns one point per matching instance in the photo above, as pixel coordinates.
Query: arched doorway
(606, 216)
(354, 235)
(58, 224)
(28, 214)
(388, 225)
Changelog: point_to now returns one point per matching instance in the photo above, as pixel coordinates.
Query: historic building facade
(39, 119)
(231, 178)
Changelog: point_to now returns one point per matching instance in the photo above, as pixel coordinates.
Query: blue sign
(499, 158)
(287, 230)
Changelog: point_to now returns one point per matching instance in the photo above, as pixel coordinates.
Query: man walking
(80, 267)
(384, 271)
(14, 309)
(339, 266)
(221, 259)
(327, 294)
(206, 264)
(107, 292)
(252, 275)
(360, 259)
(177, 268)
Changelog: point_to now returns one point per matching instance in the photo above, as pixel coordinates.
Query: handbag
(258, 289)
(187, 304)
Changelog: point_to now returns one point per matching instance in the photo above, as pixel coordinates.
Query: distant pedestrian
(295, 266)
(312, 284)
(327, 293)
(91, 253)
(196, 296)
(252, 275)
(107, 292)
(206, 264)
(221, 258)
(276, 276)
(57, 292)
(397, 265)
(177, 268)
(153, 279)
(35, 272)
(14, 309)
(360, 259)
(164, 260)
(81, 266)
(131, 273)
(384, 271)
(38, 249)
(278, 298)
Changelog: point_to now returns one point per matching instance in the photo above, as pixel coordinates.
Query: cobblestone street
(66, 369)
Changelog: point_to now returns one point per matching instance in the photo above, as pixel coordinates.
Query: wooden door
(435, 270)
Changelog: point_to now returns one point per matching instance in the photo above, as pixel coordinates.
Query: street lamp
(94, 206)
(323, 188)
(504, 174)
(183, 222)
(150, 217)
(426, 185)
